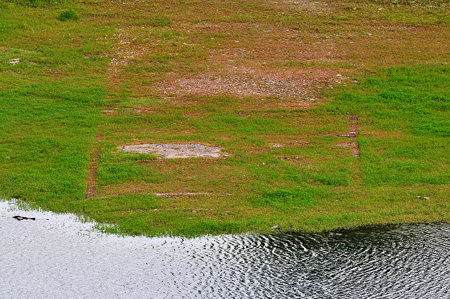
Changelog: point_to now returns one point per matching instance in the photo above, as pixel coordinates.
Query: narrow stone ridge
(93, 165)
(354, 132)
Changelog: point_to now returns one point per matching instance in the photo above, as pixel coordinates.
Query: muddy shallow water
(56, 256)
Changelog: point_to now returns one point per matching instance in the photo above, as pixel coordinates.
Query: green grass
(50, 109)
(409, 106)
(308, 186)
(71, 93)
(68, 14)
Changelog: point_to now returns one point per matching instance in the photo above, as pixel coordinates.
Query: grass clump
(68, 14)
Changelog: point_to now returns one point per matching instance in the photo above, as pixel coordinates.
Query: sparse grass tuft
(157, 22)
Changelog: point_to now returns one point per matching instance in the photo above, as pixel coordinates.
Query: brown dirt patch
(248, 60)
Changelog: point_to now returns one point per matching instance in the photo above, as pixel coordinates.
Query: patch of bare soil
(173, 151)
(251, 60)
(311, 7)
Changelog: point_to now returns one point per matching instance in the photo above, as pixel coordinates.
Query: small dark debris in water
(20, 218)
(335, 234)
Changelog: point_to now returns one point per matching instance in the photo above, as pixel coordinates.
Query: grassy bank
(276, 85)
(52, 89)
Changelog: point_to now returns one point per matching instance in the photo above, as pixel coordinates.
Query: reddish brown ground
(242, 52)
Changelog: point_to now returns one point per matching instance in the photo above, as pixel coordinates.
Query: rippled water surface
(56, 256)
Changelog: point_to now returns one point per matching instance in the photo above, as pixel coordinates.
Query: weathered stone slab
(173, 151)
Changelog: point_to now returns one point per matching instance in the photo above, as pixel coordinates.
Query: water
(56, 256)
